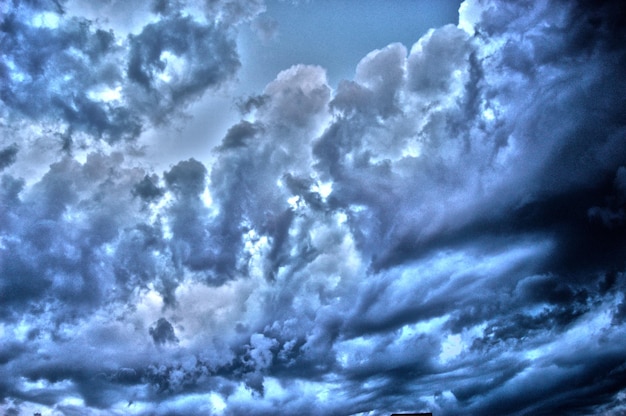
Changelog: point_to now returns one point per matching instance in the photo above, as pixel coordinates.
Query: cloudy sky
(312, 207)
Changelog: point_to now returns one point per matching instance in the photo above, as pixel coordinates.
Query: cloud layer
(442, 233)
(70, 72)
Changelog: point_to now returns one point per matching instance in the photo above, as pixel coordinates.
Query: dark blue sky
(324, 208)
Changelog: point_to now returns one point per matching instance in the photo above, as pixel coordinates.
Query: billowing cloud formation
(443, 233)
(69, 70)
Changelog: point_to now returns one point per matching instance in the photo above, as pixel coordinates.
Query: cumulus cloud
(82, 76)
(442, 233)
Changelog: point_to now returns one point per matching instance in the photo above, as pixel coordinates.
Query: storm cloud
(445, 232)
(77, 75)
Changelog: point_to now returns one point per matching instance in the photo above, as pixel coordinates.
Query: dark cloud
(51, 73)
(187, 178)
(8, 155)
(166, 7)
(163, 332)
(238, 134)
(147, 190)
(70, 72)
(443, 233)
(174, 61)
(248, 104)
